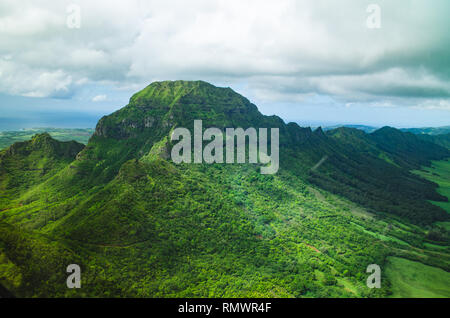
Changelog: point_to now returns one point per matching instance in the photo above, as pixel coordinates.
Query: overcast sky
(306, 61)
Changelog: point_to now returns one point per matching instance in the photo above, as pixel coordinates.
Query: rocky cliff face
(124, 128)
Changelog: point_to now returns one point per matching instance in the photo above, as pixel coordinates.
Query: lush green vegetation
(141, 226)
(373, 170)
(414, 279)
(7, 138)
(439, 173)
(29, 163)
(442, 140)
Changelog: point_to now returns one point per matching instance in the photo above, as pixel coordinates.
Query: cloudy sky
(314, 62)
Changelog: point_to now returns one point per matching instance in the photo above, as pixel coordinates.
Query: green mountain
(141, 226)
(441, 140)
(7, 138)
(408, 149)
(365, 128)
(29, 163)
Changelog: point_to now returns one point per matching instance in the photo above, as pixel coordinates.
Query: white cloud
(99, 98)
(284, 50)
(33, 82)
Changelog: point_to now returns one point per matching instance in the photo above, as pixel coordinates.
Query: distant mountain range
(428, 130)
(425, 130)
(437, 135)
(367, 129)
(141, 226)
(7, 138)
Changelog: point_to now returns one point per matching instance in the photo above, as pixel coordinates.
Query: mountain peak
(168, 92)
(46, 145)
(41, 138)
(163, 105)
(387, 130)
(345, 132)
(319, 132)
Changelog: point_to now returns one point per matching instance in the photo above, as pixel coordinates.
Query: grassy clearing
(439, 172)
(414, 279)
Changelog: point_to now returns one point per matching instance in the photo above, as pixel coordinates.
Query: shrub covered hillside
(141, 226)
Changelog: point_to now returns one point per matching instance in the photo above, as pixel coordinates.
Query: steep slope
(28, 163)
(442, 140)
(358, 141)
(357, 168)
(406, 148)
(153, 112)
(381, 178)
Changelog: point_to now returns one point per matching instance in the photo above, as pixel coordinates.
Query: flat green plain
(414, 279)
